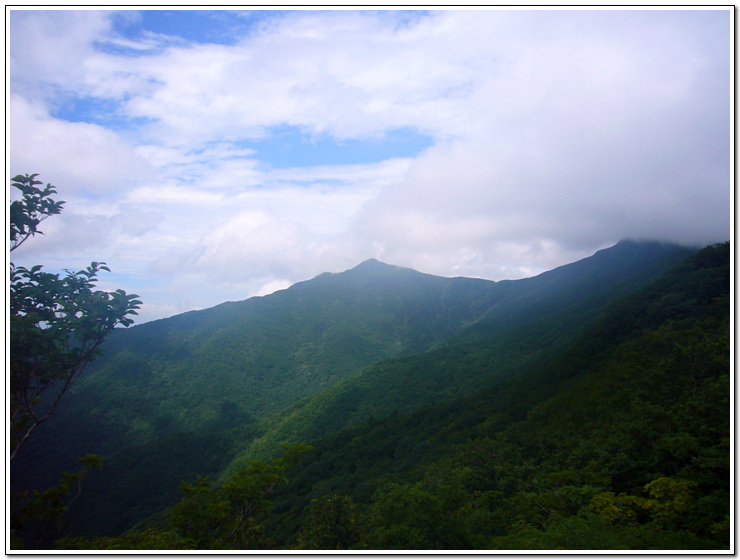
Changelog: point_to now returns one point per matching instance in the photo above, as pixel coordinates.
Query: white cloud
(271, 287)
(555, 133)
(74, 156)
(581, 140)
(287, 231)
(343, 73)
(49, 48)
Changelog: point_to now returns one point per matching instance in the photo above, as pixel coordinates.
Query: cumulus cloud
(283, 232)
(580, 142)
(75, 156)
(553, 134)
(49, 49)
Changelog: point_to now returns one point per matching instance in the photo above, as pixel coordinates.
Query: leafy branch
(35, 206)
(57, 323)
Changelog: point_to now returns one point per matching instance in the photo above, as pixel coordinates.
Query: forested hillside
(622, 442)
(587, 407)
(233, 364)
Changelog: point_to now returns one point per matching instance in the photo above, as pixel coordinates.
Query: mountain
(243, 361)
(619, 441)
(202, 392)
(529, 321)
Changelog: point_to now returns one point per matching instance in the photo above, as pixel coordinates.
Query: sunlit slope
(620, 441)
(533, 320)
(242, 361)
(245, 372)
(258, 355)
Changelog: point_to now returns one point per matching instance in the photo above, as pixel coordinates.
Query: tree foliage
(32, 513)
(621, 443)
(230, 516)
(57, 322)
(29, 211)
(335, 523)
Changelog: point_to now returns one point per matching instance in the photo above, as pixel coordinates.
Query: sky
(211, 156)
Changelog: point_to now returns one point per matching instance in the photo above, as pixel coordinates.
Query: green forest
(587, 408)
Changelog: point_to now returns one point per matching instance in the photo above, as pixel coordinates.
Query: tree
(335, 524)
(57, 323)
(233, 515)
(28, 212)
(227, 517)
(32, 513)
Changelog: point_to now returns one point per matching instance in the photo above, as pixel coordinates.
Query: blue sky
(198, 26)
(217, 155)
(289, 147)
(280, 147)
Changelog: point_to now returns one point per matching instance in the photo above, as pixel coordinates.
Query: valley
(587, 407)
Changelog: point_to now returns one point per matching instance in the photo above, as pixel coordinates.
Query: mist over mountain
(371, 352)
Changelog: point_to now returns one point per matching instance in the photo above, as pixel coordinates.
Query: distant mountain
(528, 321)
(239, 362)
(592, 282)
(621, 440)
(334, 352)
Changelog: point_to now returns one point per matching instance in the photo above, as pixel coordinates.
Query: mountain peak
(373, 267)
(368, 271)
(371, 263)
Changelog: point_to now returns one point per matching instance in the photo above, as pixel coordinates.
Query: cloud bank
(551, 134)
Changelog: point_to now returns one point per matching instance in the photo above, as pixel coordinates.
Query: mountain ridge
(374, 267)
(543, 458)
(333, 312)
(573, 314)
(239, 365)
